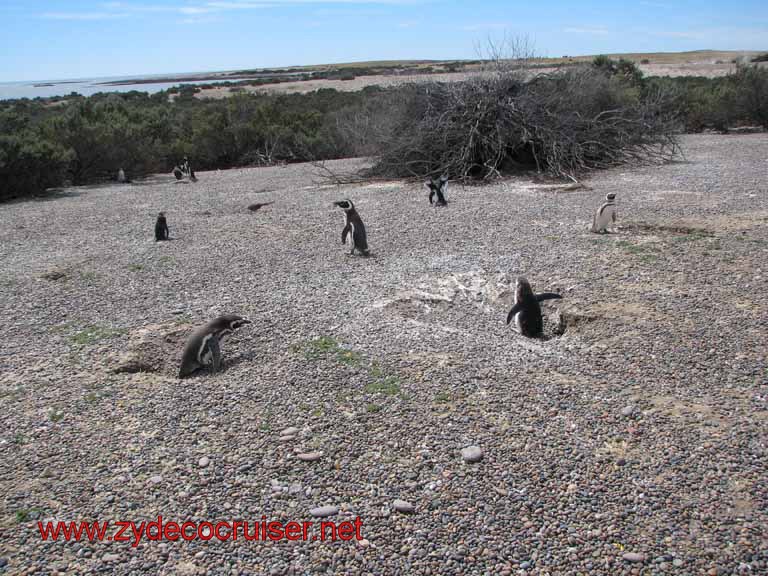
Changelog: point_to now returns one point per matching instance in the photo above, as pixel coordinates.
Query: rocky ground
(634, 443)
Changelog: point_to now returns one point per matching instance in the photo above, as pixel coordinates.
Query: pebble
(110, 558)
(204, 461)
(323, 511)
(634, 557)
(292, 431)
(403, 506)
(309, 456)
(628, 410)
(156, 479)
(472, 454)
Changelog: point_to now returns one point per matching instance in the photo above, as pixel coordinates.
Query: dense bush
(564, 124)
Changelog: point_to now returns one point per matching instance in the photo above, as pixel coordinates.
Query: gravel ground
(635, 443)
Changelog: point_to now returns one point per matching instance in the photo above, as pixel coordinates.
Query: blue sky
(57, 39)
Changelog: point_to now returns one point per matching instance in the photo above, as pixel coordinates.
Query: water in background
(89, 86)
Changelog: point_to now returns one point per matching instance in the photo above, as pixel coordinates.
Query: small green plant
(318, 347)
(266, 424)
(388, 386)
(691, 236)
(349, 357)
(443, 397)
(372, 408)
(167, 259)
(135, 267)
(91, 397)
(638, 249)
(24, 515)
(326, 346)
(56, 416)
(88, 276)
(91, 334)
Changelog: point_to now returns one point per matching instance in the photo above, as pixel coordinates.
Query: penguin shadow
(647, 229)
(228, 362)
(52, 194)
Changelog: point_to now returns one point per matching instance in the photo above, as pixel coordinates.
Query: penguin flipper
(213, 344)
(344, 233)
(515, 309)
(547, 296)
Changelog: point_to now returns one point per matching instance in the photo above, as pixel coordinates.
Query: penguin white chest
(204, 354)
(605, 216)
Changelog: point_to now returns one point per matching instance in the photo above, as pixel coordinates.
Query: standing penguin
(203, 347)
(355, 225)
(605, 215)
(178, 173)
(161, 228)
(526, 311)
(437, 187)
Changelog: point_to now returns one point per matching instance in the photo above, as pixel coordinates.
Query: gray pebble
(472, 454)
(323, 511)
(403, 506)
(634, 557)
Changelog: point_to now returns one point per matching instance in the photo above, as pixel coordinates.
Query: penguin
(606, 215)
(178, 173)
(258, 206)
(203, 347)
(437, 187)
(526, 311)
(161, 228)
(192, 176)
(121, 176)
(355, 225)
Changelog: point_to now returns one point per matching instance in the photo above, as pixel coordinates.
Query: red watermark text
(121, 531)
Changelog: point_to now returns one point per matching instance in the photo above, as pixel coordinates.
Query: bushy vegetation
(565, 123)
(82, 140)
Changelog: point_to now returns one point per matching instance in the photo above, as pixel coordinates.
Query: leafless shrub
(563, 123)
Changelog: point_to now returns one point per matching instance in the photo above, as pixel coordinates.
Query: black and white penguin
(178, 173)
(437, 187)
(526, 311)
(203, 347)
(355, 225)
(605, 215)
(161, 228)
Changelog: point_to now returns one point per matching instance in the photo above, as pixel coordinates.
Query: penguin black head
(232, 321)
(161, 215)
(523, 290)
(610, 196)
(344, 204)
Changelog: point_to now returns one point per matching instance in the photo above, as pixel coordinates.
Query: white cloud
(118, 9)
(82, 15)
(192, 10)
